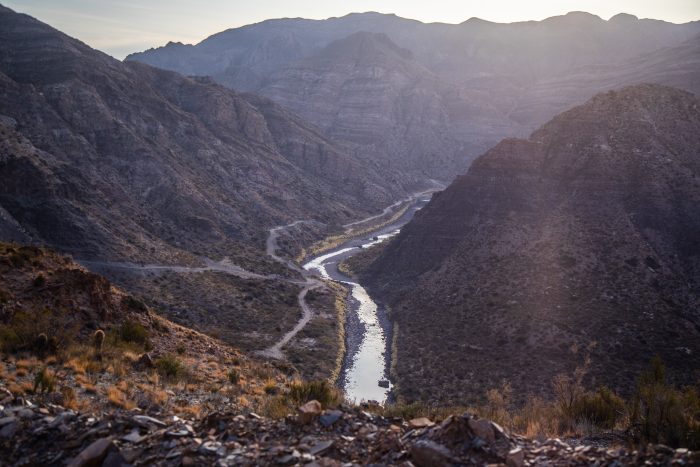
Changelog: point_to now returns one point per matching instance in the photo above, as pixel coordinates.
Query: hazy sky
(119, 27)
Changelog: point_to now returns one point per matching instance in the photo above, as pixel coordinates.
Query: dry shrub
(76, 365)
(70, 400)
(15, 389)
(270, 387)
(301, 392)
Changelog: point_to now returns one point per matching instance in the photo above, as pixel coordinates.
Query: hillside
(154, 393)
(579, 242)
(50, 310)
(367, 90)
(123, 161)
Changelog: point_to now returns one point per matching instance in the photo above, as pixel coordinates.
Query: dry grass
(16, 389)
(116, 397)
(76, 365)
(70, 399)
(194, 410)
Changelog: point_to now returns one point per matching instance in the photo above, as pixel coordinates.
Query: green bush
(44, 381)
(603, 408)
(132, 331)
(9, 339)
(234, 377)
(302, 392)
(660, 413)
(39, 281)
(170, 368)
(135, 304)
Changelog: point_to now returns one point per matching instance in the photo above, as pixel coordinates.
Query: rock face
(121, 160)
(582, 239)
(493, 80)
(367, 90)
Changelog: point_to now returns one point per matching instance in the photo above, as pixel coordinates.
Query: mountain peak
(367, 45)
(574, 17)
(623, 18)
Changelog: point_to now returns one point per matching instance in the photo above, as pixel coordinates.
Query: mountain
(677, 66)
(115, 160)
(478, 81)
(367, 90)
(474, 48)
(582, 241)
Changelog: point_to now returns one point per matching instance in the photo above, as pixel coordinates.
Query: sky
(120, 27)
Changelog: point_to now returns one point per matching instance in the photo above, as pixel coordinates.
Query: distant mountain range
(438, 94)
(582, 240)
(116, 160)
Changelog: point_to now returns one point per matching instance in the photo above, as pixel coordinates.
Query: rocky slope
(581, 241)
(50, 310)
(155, 393)
(125, 161)
(177, 397)
(487, 80)
(347, 436)
(367, 90)
(677, 66)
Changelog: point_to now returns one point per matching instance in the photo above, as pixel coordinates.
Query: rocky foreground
(48, 434)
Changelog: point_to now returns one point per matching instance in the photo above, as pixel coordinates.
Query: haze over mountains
(484, 81)
(583, 240)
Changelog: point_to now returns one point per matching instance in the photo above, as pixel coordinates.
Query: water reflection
(367, 366)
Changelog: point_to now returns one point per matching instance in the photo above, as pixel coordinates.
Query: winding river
(368, 328)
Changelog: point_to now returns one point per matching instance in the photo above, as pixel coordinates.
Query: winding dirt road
(308, 283)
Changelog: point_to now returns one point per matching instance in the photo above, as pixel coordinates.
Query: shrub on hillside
(302, 392)
(233, 376)
(602, 408)
(660, 413)
(134, 332)
(39, 281)
(170, 368)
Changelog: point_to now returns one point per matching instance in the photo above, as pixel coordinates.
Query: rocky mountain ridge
(367, 90)
(489, 80)
(125, 161)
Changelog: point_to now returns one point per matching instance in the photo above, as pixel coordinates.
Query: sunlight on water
(319, 264)
(368, 366)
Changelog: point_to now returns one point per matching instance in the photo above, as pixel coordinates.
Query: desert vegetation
(657, 411)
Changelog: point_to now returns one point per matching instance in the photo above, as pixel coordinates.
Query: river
(367, 328)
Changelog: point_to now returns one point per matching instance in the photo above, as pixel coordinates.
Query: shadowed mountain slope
(122, 160)
(582, 239)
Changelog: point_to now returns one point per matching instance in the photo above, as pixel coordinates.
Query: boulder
(483, 429)
(94, 454)
(426, 453)
(420, 422)
(309, 411)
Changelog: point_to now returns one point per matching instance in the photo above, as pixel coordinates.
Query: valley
(358, 240)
